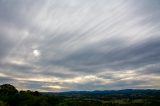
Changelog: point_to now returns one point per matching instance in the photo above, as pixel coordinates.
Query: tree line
(10, 96)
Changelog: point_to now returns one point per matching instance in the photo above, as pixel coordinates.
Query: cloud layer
(59, 45)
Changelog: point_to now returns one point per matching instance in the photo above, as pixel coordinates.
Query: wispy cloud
(79, 44)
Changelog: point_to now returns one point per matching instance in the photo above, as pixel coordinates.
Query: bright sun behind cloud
(36, 53)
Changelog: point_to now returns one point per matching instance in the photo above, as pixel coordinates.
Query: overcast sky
(64, 45)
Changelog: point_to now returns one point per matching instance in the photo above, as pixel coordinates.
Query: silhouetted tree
(2, 103)
(9, 96)
(8, 89)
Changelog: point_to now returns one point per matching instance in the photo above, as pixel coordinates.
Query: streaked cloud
(62, 45)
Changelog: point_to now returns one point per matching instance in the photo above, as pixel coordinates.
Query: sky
(76, 45)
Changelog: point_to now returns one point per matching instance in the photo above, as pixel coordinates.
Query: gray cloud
(80, 45)
(4, 80)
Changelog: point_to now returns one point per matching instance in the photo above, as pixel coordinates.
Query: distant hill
(10, 96)
(105, 92)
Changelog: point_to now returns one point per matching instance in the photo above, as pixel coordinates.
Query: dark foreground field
(9, 96)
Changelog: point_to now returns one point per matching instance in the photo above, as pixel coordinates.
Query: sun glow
(36, 53)
(54, 87)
